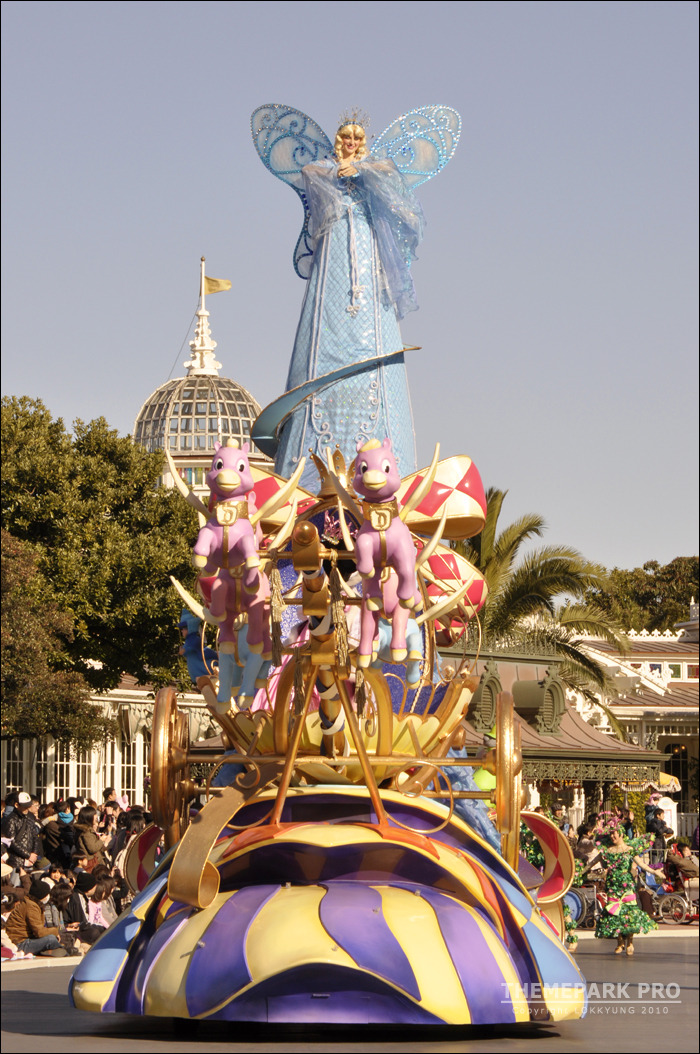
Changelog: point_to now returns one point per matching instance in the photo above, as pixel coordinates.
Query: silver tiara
(355, 116)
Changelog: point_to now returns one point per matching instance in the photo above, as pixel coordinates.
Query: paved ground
(37, 1016)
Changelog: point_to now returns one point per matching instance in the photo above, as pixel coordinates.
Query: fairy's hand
(346, 168)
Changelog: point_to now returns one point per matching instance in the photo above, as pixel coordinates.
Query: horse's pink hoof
(398, 654)
(363, 661)
(373, 603)
(408, 603)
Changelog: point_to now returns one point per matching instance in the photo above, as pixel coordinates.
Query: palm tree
(539, 601)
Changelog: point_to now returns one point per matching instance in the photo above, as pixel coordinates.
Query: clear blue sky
(558, 277)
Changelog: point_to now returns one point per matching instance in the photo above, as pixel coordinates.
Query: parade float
(346, 862)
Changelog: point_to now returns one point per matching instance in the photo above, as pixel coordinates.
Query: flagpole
(201, 286)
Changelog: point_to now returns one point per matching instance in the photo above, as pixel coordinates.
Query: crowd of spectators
(64, 863)
(63, 871)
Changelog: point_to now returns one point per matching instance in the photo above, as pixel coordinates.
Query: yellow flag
(216, 285)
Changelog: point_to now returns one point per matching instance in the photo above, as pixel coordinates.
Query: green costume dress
(622, 916)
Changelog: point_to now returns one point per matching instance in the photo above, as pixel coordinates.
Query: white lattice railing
(686, 822)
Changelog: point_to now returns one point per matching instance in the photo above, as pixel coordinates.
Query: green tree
(40, 696)
(108, 537)
(651, 597)
(541, 600)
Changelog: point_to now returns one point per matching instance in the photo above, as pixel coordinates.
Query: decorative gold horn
(285, 530)
(189, 495)
(428, 550)
(279, 499)
(445, 605)
(349, 503)
(192, 603)
(423, 488)
(347, 537)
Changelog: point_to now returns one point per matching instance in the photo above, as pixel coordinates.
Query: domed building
(188, 415)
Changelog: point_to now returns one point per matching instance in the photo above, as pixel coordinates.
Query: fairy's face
(351, 139)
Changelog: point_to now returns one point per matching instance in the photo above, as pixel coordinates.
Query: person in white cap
(20, 835)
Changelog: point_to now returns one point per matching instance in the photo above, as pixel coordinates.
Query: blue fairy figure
(362, 225)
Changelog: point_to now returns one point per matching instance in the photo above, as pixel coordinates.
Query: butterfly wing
(286, 140)
(421, 142)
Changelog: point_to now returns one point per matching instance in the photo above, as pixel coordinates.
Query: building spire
(203, 361)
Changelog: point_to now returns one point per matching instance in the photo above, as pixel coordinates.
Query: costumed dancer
(622, 917)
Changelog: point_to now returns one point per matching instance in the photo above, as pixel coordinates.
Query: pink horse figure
(228, 546)
(383, 541)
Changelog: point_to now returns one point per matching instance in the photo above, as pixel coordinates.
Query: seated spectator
(26, 927)
(134, 825)
(8, 947)
(9, 888)
(79, 861)
(77, 908)
(122, 893)
(122, 832)
(58, 834)
(20, 881)
(89, 842)
(585, 845)
(54, 914)
(69, 878)
(54, 873)
(688, 870)
(108, 814)
(108, 826)
(101, 908)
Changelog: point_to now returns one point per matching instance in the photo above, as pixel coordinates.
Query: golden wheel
(509, 764)
(170, 771)
(382, 719)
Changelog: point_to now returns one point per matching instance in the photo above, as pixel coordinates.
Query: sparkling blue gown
(365, 229)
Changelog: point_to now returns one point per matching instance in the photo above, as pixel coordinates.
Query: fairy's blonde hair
(359, 131)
